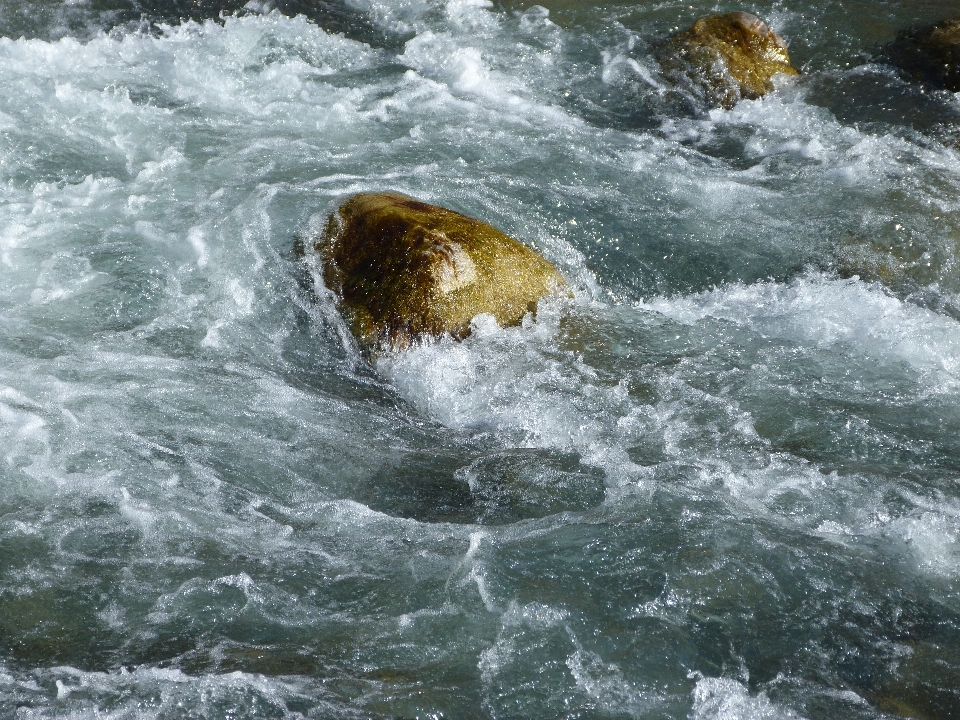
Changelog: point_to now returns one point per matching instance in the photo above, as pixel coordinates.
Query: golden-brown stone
(403, 270)
(730, 57)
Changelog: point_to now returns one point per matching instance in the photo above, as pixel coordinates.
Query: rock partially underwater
(930, 54)
(726, 58)
(404, 270)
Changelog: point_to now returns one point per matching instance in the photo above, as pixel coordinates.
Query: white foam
(933, 538)
(606, 684)
(148, 693)
(726, 699)
(510, 381)
(465, 70)
(63, 276)
(25, 433)
(415, 16)
(861, 319)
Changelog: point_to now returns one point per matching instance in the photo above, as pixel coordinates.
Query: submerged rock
(914, 263)
(930, 54)
(923, 685)
(727, 57)
(403, 270)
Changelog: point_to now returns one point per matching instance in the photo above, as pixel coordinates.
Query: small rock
(729, 57)
(930, 54)
(404, 270)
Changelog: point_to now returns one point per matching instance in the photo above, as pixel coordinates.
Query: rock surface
(404, 270)
(930, 54)
(729, 57)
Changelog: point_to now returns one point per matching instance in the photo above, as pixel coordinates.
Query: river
(721, 483)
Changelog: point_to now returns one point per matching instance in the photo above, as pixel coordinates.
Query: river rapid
(721, 483)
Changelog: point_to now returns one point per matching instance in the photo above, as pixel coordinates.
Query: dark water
(720, 483)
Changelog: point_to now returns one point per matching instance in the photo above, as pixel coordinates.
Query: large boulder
(727, 58)
(404, 270)
(930, 54)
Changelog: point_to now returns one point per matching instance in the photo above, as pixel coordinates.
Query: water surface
(720, 483)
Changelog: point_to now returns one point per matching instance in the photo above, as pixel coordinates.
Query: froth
(860, 318)
(150, 693)
(726, 699)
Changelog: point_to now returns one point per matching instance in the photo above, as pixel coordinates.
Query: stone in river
(403, 270)
(930, 54)
(727, 57)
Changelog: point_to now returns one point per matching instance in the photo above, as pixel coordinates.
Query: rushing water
(721, 483)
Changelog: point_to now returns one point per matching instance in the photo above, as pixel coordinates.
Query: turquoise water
(720, 483)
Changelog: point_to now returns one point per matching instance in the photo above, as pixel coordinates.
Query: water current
(722, 482)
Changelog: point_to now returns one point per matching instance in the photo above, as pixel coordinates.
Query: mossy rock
(930, 54)
(404, 270)
(727, 57)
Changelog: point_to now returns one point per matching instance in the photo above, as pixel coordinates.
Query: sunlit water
(720, 483)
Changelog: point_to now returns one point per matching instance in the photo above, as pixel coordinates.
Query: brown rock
(404, 270)
(729, 57)
(930, 54)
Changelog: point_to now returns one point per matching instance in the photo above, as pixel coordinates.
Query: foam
(933, 539)
(415, 16)
(152, 693)
(509, 380)
(726, 699)
(862, 319)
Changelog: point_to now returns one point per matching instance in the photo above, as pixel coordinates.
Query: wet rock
(403, 270)
(930, 54)
(726, 58)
